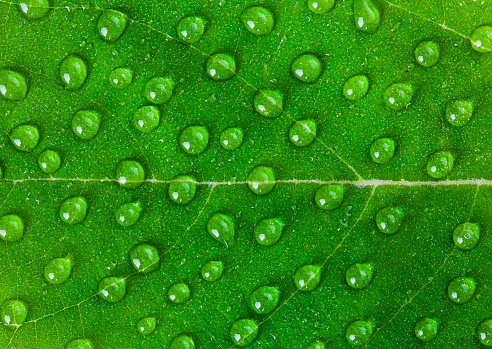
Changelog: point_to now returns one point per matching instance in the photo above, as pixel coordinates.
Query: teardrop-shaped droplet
(179, 293)
(212, 270)
(121, 77)
(320, 6)
(307, 277)
(193, 139)
(111, 24)
(258, 20)
(268, 231)
(264, 299)
(130, 174)
(25, 137)
(440, 164)
(13, 312)
(302, 132)
(269, 103)
(182, 342)
(329, 196)
(307, 68)
(73, 210)
(11, 227)
(231, 138)
(459, 112)
(466, 235)
(34, 9)
(481, 39)
(355, 87)
(13, 86)
(79, 344)
(144, 258)
(85, 124)
(244, 332)
(366, 16)
(389, 220)
(484, 332)
(261, 180)
(358, 276)
(182, 189)
(221, 66)
(398, 96)
(359, 332)
(146, 325)
(461, 289)
(49, 161)
(146, 118)
(129, 213)
(58, 270)
(382, 150)
(191, 29)
(73, 72)
(112, 289)
(159, 90)
(221, 228)
(426, 329)
(427, 53)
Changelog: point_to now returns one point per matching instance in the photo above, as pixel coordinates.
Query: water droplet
(260, 180)
(366, 16)
(398, 96)
(128, 214)
(389, 220)
(11, 227)
(146, 325)
(146, 118)
(484, 332)
(358, 276)
(79, 344)
(182, 189)
(58, 270)
(356, 87)
(307, 68)
(258, 20)
(25, 137)
(193, 139)
(231, 138)
(244, 332)
(73, 210)
(144, 258)
(179, 293)
(220, 66)
(268, 231)
(85, 124)
(461, 289)
(264, 299)
(427, 53)
(121, 77)
(191, 29)
(316, 345)
(13, 312)
(330, 196)
(302, 133)
(426, 329)
(440, 164)
(382, 150)
(269, 103)
(34, 9)
(212, 270)
(320, 6)
(481, 39)
(459, 112)
(182, 342)
(112, 288)
(49, 161)
(159, 90)
(358, 333)
(307, 277)
(111, 24)
(13, 86)
(73, 72)
(130, 174)
(466, 235)
(221, 228)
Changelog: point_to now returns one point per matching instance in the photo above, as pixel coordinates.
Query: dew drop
(231, 138)
(146, 325)
(146, 118)
(466, 235)
(191, 29)
(112, 288)
(49, 161)
(260, 180)
(212, 270)
(73, 210)
(269, 103)
(193, 139)
(398, 96)
(481, 39)
(128, 214)
(316, 345)
(13, 86)
(307, 68)
(459, 112)
(358, 333)
(358, 276)
(13, 312)
(130, 174)
(302, 132)
(258, 20)
(389, 220)
(182, 342)
(144, 258)
(307, 277)
(382, 150)
(73, 72)
(111, 24)
(121, 77)
(244, 332)
(159, 90)
(11, 228)
(264, 299)
(221, 66)
(330, 196)
(79, 344)
(356, 87)
(320, 6)
(179, 293)
(426, 329)
(34, 9)
(268, 231)
(85, 124)
(25, 137)
(461, 289)
(182, 189)
(440, 164)
(366, 16)
(427, 53)
(58, 270)
(484, 332)
(221, 228)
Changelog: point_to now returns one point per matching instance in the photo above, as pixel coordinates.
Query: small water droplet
(329, 196)
(264, 299)
(13, 312)
(244, 332)
(316, 345)
(459, 112)
(111, 24)
(128, 214)
(13, 86)
(461, 289)
(389, 220)
(58, 270)
(258, 20)
(358, 276)
(366, 16)
(427, 53)
(398, 96)
(382, 150)
(179, 293)
(307, 277)
(426, 329)
(231, 138)
(182, 189)
(466, 235)
(73, 210)
(193, 139)
(34, 9)
(73, 72)
(79, 344)
(112, 288)
(159, 90)
(146, 325)
(49, 161)
(130, 174)
(481, 39)
(484, 332)
(269, 103)
(302, 132)
(121, 77)
(85, 124)
(144, 258)
(260, 180)
(320, 6)
(307, 68)
(221, 66)
(11, 228)
(268, 231)
(356, 87)
(191, 29)
(182, 342)
(146, 118)
(212, 270)
(440, 164)
(221, 228)
(359, 332)
(25, 137)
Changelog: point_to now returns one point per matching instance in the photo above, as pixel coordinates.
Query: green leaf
(59, 60)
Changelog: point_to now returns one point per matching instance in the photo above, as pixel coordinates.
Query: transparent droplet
(307, 68)
(73, 72)
(13, 86)
(144, 258)
(25, 137)
(193, 139)
(58, 270)
(244, 332)
(182, 189)
(191, 29)
(73, 210)
(307, 277)
(261, 180)
(221, 228)
(221, 66)
(11, 228)
(13, 312)
(440, 164)
(111, 24)
(302, 132)
(258, 20)
(112, 289)
(179, 293)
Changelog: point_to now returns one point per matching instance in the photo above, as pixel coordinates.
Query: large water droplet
(144, 258)
(307, 68)
(440, 164)
(307, 277)
(159, 90)
(128, 214)
(13, 312)
(481, 39)
(112, 288)
(73, 72)
(382, 150)
(49, 161)
(484, 332)
(58, 270)
(212, 270)
(466, 235)
(182, 189)
(303, 132)
(191, 29)
(398, 96)
(330, 196)
(34, 9)
(269, 103)
(146, 118)
(264, 299)
(85, 124)
(258, 20)
(25, 137)
(426, 329)
(13, 86)
(146, 325)
(320, 6)
(221, 66)
(427, 53)
(11, 227)
(130, 174)
(79, 344)
(268, 231)
(179, 293)
(389, 220)
(111, 24)
(358, 333)
(221, 228)
(182, 342)
(459, 112)
(356, 87)
(260, 180)
(366, 16)
(461, 289)
(121, 77)
(73, 210)
(193, 139)
(358, 276)
(231, 138)
(244, 332)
